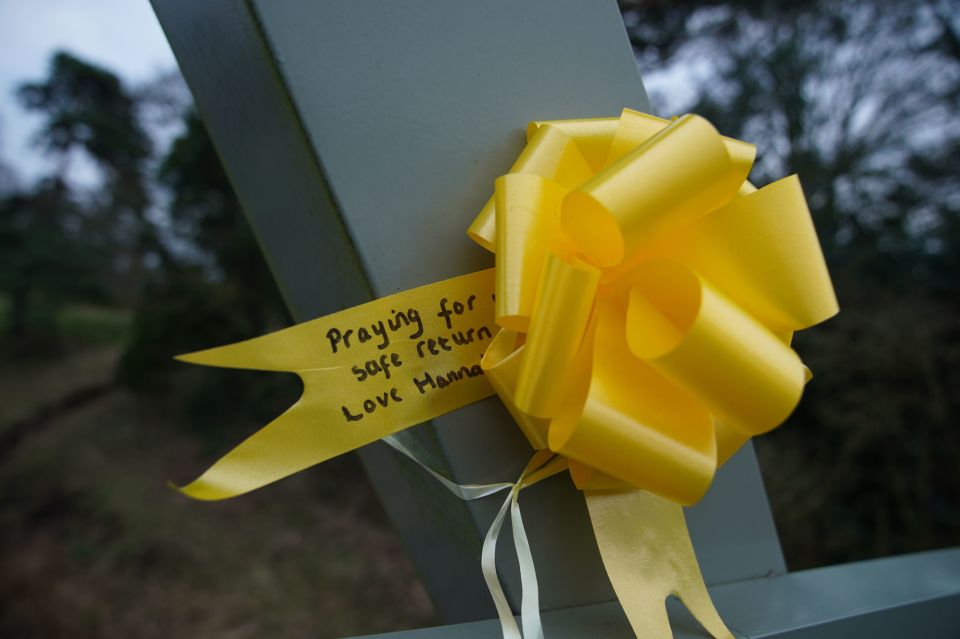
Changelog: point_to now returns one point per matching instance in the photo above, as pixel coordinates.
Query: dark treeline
(161, 235)
(858, 98)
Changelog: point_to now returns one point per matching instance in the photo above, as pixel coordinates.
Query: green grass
(94, 325)
(94, 544)
(31, 385)
(82, 323)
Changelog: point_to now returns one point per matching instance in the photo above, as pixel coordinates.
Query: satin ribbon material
(535, 471)
(639, 197)
(368, 371)
(541, 466)
(668, 288)
(550, 153)
(658, 341)
(626, 407)
(648, 556)
(637, 326)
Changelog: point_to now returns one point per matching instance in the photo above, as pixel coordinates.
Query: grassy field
(93, 543)
(83, 324)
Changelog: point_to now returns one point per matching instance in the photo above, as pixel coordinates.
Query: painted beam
(908, 596)
(361, 138)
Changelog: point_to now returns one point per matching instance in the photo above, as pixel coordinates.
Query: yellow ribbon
(368, 372)
(638, 323)
(658, 292)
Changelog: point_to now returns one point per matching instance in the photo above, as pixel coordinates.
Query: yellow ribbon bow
(648, 295)
(645, 298)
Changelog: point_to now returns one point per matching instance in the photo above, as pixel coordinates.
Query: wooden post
(361, 138)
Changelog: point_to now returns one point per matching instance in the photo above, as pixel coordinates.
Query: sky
(121, 35)
(125, 37)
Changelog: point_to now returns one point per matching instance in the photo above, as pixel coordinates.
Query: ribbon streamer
(648, 555)
(542, 465)
(356, 390)
(637, 325)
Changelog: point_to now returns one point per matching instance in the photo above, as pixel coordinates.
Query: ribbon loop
(501, 364)
(633, 423)
(563, 306)
(647, 191)
(591, 135)
(527, 212)
(693, 335)
(644, 300)
(762, 251)
(549, 153)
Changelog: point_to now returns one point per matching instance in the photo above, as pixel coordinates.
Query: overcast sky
(122, 35)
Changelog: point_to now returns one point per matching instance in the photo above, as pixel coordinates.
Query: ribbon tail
(535, 471)
(488, 563)
(530, 603)
(648, 555)
(466, 492)
(488, 555)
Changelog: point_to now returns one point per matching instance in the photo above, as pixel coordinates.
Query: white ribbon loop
(539, 468)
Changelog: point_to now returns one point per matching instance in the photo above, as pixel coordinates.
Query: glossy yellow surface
(560, 316)
(633, 423)
(693, 335)
(647, 192)
(646, 295)
(501, 363)
(705, 278)
(528, 213)
(702, 278)
(549, 153)
(648, 555)
(317, 428)
(591, 135)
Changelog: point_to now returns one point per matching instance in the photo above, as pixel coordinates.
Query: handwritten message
(368, 371)
(418, 349)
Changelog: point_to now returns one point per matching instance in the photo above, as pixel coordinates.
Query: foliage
(859, 99)
(58, 246)
(221, 292)
(88, 109)
(190, 271)
(45, 263)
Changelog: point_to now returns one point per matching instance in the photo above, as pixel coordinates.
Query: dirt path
(93, 543)
(35, 388)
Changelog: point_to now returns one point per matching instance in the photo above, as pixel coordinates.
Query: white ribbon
(530, 603)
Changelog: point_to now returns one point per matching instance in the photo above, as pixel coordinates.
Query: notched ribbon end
(199, 491)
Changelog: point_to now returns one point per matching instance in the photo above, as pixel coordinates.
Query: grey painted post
(362, 137)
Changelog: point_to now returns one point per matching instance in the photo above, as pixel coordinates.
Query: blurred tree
(57, 246)
(219, 290)
(162, 100)
(859, 99)
(8, 177)
(89, 110)
(190, 268)
(206, 213)
(44, 263)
